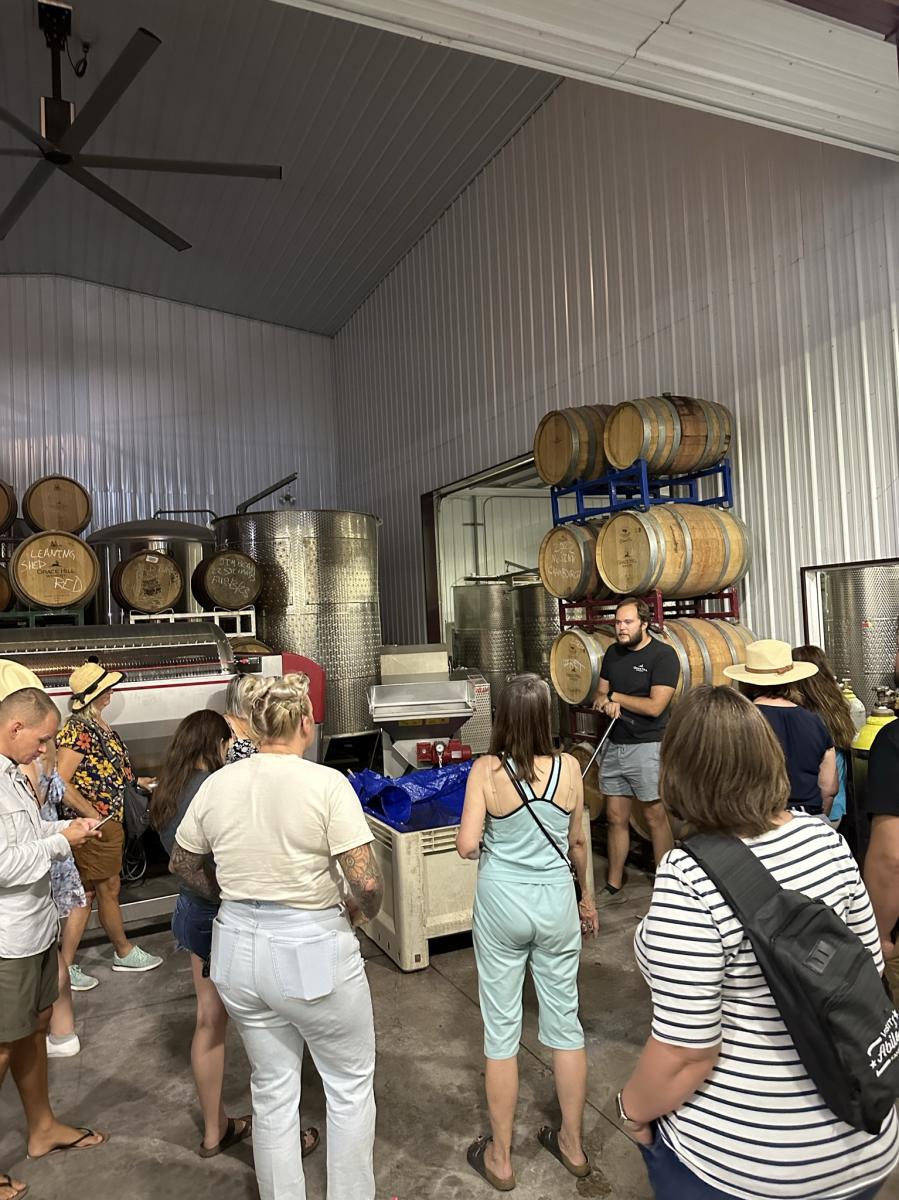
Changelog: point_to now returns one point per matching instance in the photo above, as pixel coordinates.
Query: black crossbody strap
(744, 882)
(516, 783)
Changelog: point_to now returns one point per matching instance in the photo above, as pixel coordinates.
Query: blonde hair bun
(279, 706)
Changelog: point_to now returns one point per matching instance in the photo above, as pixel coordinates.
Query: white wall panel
(618, 247)
(152, 404)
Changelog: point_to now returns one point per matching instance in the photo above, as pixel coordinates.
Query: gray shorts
(631, 770)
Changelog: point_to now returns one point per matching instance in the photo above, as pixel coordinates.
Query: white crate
(428, 890)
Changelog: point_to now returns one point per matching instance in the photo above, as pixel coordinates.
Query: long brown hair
(197, 745)
(722, 768)
(521, 728)
(821, 694)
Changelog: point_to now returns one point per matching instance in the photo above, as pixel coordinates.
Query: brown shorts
(27, 987)
(101, 858)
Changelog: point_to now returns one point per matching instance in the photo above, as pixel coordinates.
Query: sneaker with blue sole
(135, 961)
(79, 982)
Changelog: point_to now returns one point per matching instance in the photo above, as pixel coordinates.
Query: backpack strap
(744, 882)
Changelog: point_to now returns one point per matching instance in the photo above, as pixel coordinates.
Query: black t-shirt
(805, 740)
(883, 773)
(635, 673)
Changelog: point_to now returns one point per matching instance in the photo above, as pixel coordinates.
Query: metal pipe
(242, 508)
(167, 512)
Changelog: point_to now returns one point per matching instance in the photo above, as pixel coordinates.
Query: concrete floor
(133, 1079)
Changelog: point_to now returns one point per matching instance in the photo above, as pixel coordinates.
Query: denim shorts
(631, 769)
(192, 925)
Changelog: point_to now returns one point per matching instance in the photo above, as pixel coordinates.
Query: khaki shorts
(28, 986)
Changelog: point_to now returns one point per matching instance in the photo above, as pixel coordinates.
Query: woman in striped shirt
(719, 1101)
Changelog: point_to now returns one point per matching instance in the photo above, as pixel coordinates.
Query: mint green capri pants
(516, 924)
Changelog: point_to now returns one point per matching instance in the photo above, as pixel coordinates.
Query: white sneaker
(65, 1048)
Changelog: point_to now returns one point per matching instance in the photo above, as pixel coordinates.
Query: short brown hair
(643, 610)
(722, 768)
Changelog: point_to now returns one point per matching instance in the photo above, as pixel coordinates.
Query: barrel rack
(36, 618)
(634, 488)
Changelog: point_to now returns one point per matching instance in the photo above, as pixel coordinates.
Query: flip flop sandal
(312, 1134)
(233, 1135)
(475, 1156)
(6, 1182)
(76, 1145)
(549, 1139)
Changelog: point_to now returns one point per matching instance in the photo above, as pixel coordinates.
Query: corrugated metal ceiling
(764, 61)
(377, 134)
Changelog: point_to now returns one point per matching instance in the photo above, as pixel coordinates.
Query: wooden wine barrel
(569, 444)
(54, 570)
(567, 562)
(147, 582)
(681, 549)
(704, 647)
(575, 660)
(6, 592)
(228, 579)
(57, 503)
(675, 434)
(9, 506)
(594, 798)
(250, 645)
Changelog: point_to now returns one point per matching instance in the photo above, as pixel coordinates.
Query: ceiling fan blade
(123, 204)
(109, 90)
(38, 176)
(26, 131)
(182, 166)
(7, 153)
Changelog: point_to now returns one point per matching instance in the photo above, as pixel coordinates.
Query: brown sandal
(475, 1157)
(233, 1135)
(549, 1139)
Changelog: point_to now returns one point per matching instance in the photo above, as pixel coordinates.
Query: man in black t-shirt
(882, 859)
(638, 678)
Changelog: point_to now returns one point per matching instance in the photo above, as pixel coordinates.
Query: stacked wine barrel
(53, 568)
(681, 550)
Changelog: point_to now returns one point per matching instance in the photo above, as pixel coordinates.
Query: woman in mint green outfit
(523, 819)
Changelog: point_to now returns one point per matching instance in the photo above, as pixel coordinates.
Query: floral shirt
(240, 748)
(99, 777)
(65, 882)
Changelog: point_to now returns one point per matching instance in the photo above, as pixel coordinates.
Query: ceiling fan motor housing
(55, 20)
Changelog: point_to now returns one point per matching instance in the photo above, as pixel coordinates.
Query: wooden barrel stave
(54, 569)
(594, 799)
(567, 562)
(575, 660)
(228, 579)
(568, 444)
(56, 503)
(9, 506)
(674, 434)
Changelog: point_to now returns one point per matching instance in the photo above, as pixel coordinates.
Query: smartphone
(103, 822)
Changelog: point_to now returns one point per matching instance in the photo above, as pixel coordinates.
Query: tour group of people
(275, 868)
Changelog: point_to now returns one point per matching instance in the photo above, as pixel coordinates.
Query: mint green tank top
(515, 849)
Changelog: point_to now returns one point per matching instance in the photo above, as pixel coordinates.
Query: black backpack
(823, 979)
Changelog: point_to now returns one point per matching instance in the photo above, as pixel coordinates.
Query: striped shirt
(757, 1127)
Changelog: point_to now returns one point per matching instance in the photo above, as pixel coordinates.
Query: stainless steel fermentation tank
(188, 544)
(319, 597)
(537, 616)
(859, 607)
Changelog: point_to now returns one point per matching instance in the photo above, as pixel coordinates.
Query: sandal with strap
(475, 1157)
(76, 1145)
(233, 1135)
(17, 1194)
(549, 1139)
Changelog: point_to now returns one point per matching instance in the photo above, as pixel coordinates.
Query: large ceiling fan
(62, 136)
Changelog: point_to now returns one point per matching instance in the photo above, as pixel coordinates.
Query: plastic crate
(428, 890)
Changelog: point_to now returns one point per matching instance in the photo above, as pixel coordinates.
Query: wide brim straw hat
(89, 681)
(14, 677)
(770, 663)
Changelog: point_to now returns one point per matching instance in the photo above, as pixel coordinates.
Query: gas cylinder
(856, 708)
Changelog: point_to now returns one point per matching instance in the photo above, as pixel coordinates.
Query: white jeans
(290, 977)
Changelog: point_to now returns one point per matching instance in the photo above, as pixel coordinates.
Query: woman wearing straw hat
(769, 678)
(93, 759)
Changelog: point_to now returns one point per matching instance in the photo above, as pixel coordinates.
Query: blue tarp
(423, 800)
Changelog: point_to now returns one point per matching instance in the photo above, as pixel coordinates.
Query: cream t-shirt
(274, 824)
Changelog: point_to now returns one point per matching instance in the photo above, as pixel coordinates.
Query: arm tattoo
(197, 871)
(362, 875)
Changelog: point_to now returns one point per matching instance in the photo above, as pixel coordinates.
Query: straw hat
(770, 663)
(89, 681)
(14, 677)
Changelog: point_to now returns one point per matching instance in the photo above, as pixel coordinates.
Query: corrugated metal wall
(152, 404)
(617, 247)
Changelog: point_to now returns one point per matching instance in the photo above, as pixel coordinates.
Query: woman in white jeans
(285, 958)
